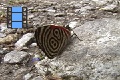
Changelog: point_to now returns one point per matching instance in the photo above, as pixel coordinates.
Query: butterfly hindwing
(52, 39)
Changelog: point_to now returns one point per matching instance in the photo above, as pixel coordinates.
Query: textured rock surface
(96, 57)
(24, 40)
(15, 57)
(8, 39)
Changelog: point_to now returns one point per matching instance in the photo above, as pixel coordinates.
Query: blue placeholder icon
(16, 24)
(16, 18)
(17, 9)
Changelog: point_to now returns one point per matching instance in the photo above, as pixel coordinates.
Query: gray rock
(24, 40)
(27, 76)
(3, 27)
(33, 45)
(1, 52)
(30, 16)
(72, 24)
(50, 10)
(38, 78)
(2, 35)
(96, 57)
(20, 73)
(76, 4)
(101, 32)
(83, 9)
(59, 15)
(109, 7)
(101, 2)
(15, 57)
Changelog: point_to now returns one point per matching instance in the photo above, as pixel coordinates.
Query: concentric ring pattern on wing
(52, 39)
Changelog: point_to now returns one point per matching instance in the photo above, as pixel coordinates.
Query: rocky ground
(94, 54)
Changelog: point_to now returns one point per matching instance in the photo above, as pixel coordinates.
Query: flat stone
(15, 57)
(24, 40)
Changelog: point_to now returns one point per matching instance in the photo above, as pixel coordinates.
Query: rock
(2, 51)
(38, 78)
(109, 7)
(28, 76)
(8, 39)
(101, 2)
(3, 27)
(102, 32)
(59, 15)
(53, 77)
(97, 56)
(16, 57)
(50, 10)
(71, 78)
(2, 35)
(77, 10)
(24, 40)
(10, 31)
(20, 73)
(49, 3)
(33, 45)
(83, 9)
(75, 4)
(72, 24)
(30, 16)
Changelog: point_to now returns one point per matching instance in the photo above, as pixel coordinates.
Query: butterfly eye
(52, 39)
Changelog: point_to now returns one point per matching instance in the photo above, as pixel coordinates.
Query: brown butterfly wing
(52, 39)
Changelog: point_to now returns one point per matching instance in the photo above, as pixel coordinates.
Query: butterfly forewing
(52, 39)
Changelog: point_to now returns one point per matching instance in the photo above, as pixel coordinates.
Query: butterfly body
(52, 39)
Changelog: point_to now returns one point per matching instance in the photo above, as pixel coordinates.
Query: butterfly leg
(75, 35)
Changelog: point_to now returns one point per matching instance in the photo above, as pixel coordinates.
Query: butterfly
(52, 39)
